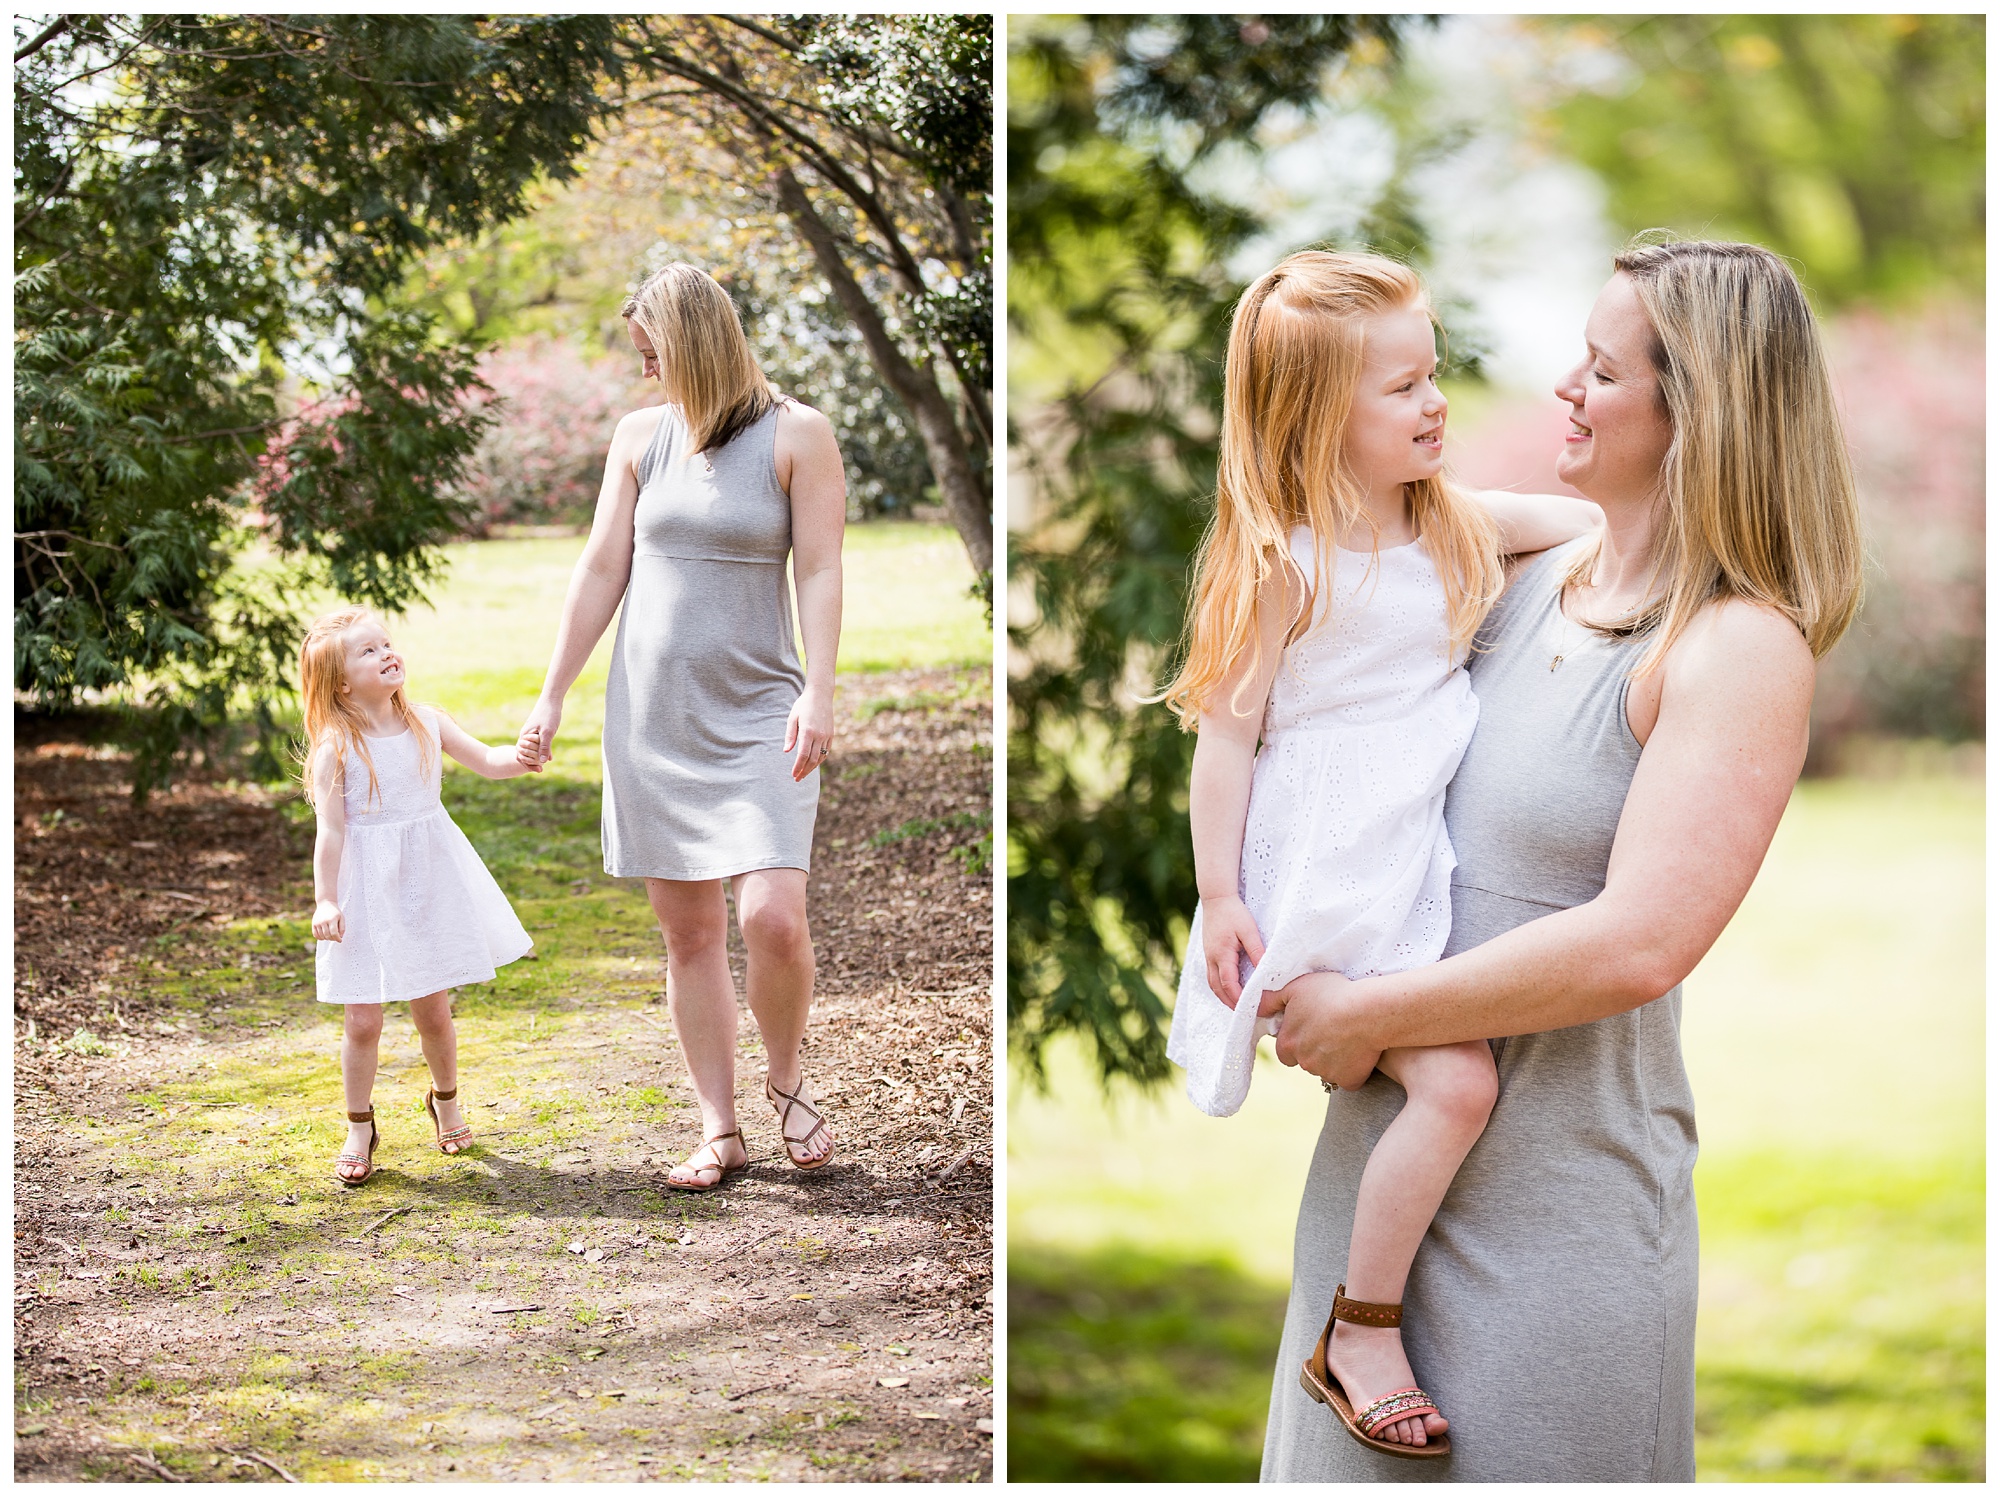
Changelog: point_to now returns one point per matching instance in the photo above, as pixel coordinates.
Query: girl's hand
(328, 923)
(537, 744)
(810, 727)
(1318, 1029)
(1229, 938)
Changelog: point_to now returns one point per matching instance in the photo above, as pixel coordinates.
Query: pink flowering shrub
(542, 460)
(1912, 395)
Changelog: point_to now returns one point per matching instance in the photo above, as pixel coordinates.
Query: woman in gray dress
(1643, 697)
(713, 735)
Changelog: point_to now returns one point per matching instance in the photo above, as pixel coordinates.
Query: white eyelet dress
(422, 913)
(1346, 865)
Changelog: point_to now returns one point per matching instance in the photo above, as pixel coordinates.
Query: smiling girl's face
(1619, 430)
(371, 670)
(1395, 429)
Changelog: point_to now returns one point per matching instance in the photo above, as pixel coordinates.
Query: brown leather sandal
(722, 1171)
(792, 1100)
(368, 1160)
(1323, 1387)
(455, 1141)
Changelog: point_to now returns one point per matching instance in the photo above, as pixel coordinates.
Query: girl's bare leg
(701, 996)
(1451, 1090)
(360, 1043)
(432, 1016)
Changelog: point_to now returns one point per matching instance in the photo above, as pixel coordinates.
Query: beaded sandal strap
(1393, 1407)
(1361, 1312)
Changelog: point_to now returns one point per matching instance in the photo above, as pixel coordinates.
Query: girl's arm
(597, 586)
(330, 807)
(493, 763)
(810, 472)
(1225, 752)
(1718, 768)
(1535, 522)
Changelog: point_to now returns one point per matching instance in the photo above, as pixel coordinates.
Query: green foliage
(202, 204)
(1853, 143)
(1124, 1365)
(1119, 313)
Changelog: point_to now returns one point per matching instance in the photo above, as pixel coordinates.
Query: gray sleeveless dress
(1551, 1307)
(697, 783)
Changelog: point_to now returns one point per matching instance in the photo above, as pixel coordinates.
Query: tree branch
(55, 29)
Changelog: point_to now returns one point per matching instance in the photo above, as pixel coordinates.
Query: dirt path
(196, 1296)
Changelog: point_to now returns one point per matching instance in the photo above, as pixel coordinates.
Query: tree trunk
(966, 500)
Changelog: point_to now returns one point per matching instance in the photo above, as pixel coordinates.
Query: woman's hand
(328, 923)
(1229, 937)
(1318, 1029)
(537, 743)
(810, 728)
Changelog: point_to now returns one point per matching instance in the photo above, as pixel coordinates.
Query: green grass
(1835, 1038)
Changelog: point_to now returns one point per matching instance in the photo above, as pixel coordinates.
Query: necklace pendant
(1555, 662)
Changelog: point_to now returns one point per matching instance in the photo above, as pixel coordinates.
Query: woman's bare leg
(1451, 1091)
(771, 911)
(701, 996)
(431, 1014)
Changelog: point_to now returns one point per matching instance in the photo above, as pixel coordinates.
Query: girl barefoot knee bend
(404, 910)
(1335, 600)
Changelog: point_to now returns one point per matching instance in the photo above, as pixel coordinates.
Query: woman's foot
(708, 1166)
(1369, 1362)
(808, 1141)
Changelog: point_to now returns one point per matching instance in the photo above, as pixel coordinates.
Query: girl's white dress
(422, 912)
(1346, 865)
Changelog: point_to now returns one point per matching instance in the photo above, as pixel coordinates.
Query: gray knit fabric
(1551, 1308)
(697, 783)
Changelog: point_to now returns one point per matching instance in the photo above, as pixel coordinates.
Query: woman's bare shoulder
(797, 418)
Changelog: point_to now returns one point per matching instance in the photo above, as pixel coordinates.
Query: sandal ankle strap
(1362, 1312)
(362, 1117)
(439, 1096)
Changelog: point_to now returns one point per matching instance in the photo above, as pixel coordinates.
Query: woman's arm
(330, 808)
(597, 586)
(493, 763)
(1535, 522)
(810, 472)
(1225, 754)
(1718, 768)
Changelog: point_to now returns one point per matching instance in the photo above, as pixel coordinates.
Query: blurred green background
(1835, 1036)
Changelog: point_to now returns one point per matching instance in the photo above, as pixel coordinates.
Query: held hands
(536, 745)
(810, 728)
(1229, 938)
(328, 923)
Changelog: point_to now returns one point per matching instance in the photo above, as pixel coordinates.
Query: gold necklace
(1563, 646)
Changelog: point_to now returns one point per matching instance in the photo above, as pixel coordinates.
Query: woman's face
(649, 357)
(1620, 432)
(1395, 431)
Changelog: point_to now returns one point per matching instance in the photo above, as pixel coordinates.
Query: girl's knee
(693, 940)
(1460, 1084)
(362, 1022)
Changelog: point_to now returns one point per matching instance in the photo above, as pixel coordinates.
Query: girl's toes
(1435, 1425)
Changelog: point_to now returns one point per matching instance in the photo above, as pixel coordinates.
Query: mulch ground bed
(197, 1299)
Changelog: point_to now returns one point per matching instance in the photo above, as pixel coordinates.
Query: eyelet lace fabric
(422, 912)
(1346, 865)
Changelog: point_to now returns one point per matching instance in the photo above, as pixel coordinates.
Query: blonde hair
(331, 717)
(1297, 344)
(706, 365)
(1757, 496)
